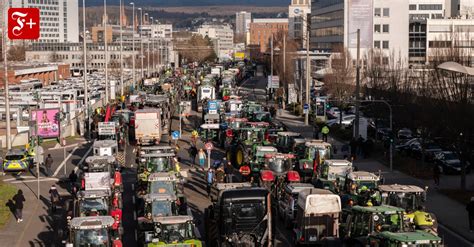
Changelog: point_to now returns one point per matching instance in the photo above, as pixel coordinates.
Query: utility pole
(140, 31)
(5, 67)
(84, 73)
(308, 74)
(357, 89)
(284, 56)
(271, 62)
(152, 51)
(133, 45)
(148, 58)
(121, 50)
(106, 54)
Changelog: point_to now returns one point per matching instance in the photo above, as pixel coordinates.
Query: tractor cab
(382, 226)
(218, 188)
(154, 150)
(279, 163)
(243, 148)
(99, 173)
(298, 147)
(332, 173)
(156, 162)
(285, 141)
(160, 205)
(234, 105)
(412, 199)
(252, 107)
(361, 188)
(316, 151)
(92, 203)
(172, 231)
(261, 116)
(164, 183)
(93, 231)
(105, 147)
(258, 161)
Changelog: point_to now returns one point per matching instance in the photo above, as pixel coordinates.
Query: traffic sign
(175, 135)
(209, 146)
(305, 108)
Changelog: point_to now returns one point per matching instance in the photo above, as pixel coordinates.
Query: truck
(317, 218)
(148, 128)
(288, 201)
(239, 217)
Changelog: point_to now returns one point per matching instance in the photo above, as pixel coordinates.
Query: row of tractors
(321, 199)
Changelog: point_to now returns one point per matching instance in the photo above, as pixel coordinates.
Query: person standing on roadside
(470, 211)
(325, 132)
(210, 180)
(19, 200)
(48, 165)
(193, 153)
(55, 197)
(202, 158)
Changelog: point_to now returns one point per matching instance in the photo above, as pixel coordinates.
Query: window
(377, 44)
(377, 28)
(431, 7)
(412, 6)
(385, 28)
(385, 60)
(386, 12)
(377, 12)
(385, 44)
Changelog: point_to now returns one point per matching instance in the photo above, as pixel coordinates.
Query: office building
(113, 33)
(59, 19)
(157, 31)
(242, 22)
(261, 31)
(298, 16)
(222, 36)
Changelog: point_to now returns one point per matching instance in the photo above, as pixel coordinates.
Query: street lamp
(121, 50)
(152, 47)
(106, 54)
(133, 44)
(84, 54)
(148, 52)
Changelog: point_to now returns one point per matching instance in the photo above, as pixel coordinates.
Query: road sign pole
(208, 159)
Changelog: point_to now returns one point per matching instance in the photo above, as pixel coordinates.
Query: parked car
(430, 148)
(404, 146)
(405, 134)
(334, 112)
(346, 121)
(449, 162)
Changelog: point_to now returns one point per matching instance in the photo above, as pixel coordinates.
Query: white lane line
(134, 215)
(133, 187)
(58, 147)
(133, 200)
(64, 161)
(456, 235)
(34, 180)
(82, 159)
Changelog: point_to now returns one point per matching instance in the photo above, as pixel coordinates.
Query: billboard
(46, 122)
(106, 128)
(360, 17)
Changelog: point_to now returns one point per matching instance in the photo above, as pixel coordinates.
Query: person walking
(202, 158)
(48, 165)
(55, 197)
(193, 153)
(228, 169)
(210, 180)
(436, 173)
(325, 132)
(19, 200)
(315, 131)
(470, 211)
(73, 181)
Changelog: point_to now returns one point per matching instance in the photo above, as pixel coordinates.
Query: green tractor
(258, 160)
(360, 188)
(316, 151)
(156, 162)
(250, 107)
(285, 141)
(172, 231)
(243, 147)
(382, 226)
(332, 173)
(411, 198)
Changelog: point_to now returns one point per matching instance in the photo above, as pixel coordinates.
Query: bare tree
(16, 53)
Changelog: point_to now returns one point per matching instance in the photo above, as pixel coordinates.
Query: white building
(59, 19)
(157, 31)
(242, 22)
(222, 37)
(298, 12)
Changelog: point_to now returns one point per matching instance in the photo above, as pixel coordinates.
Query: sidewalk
(451, 214)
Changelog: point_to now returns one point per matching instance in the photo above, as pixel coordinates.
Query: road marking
(133, 187)
(456, 235)
(34, 180)
(18, 178)
(134, 215)
(82, 159)
(59, 147)
(64, 161)
(136, 234)
(133, 200)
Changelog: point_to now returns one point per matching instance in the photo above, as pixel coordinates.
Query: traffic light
(328, 106)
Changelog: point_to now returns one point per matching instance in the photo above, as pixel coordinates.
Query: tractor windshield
(323, 153)
(162, 187)
(161, 208)
(91, 238)
(175, 233)
(405, 200)
(253, 136)
(279, 165)
(93, 207)
(158, 164)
